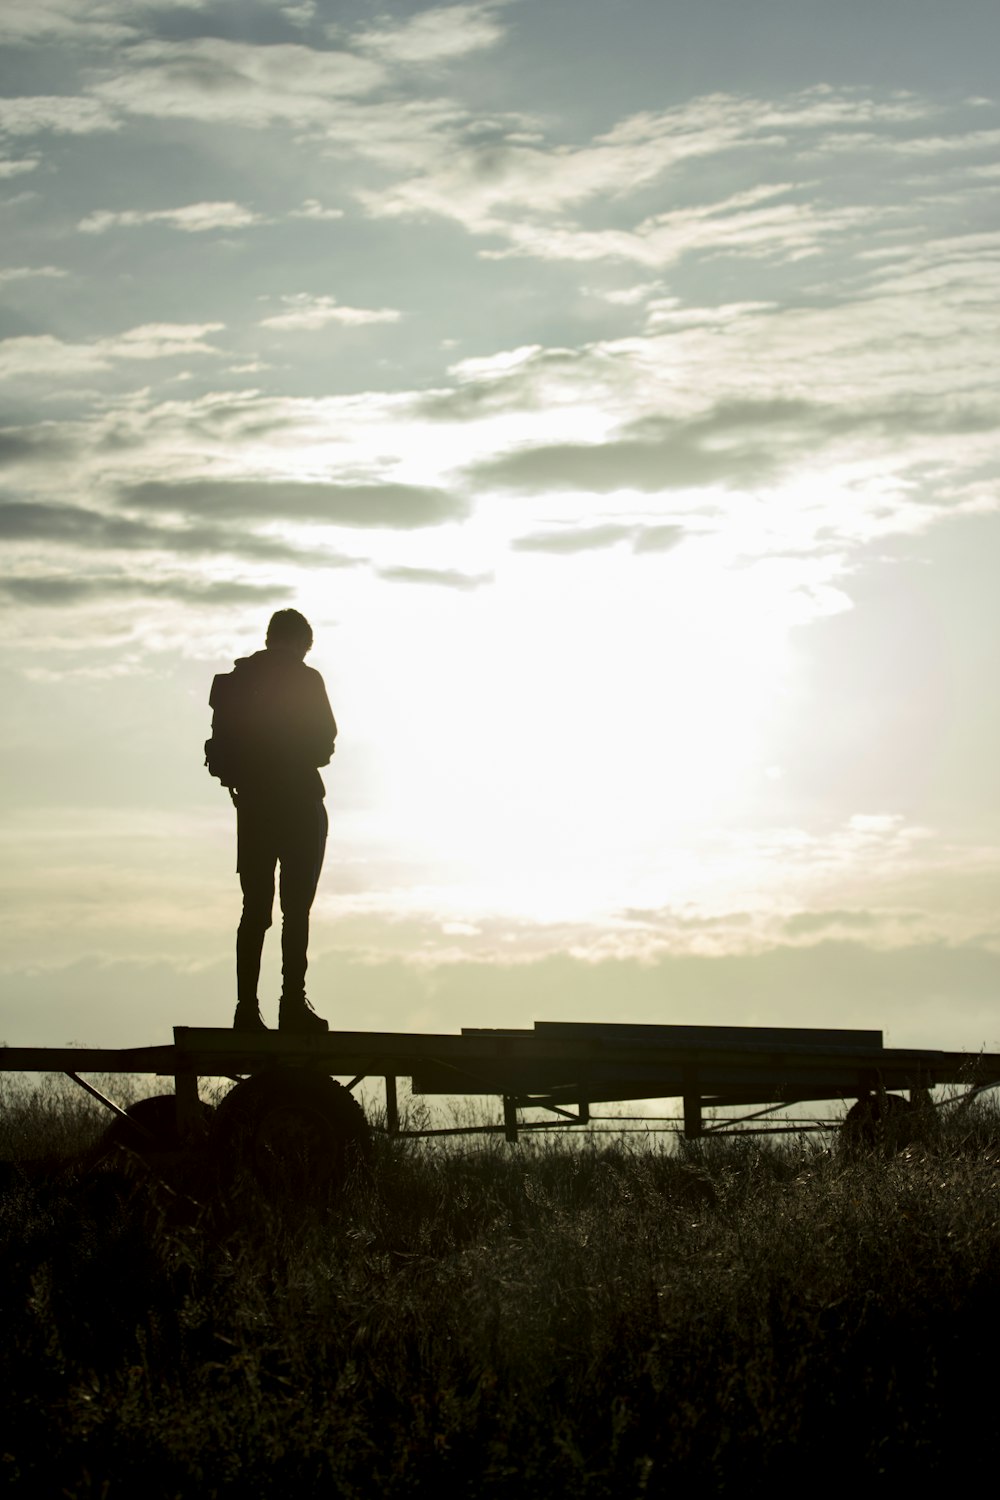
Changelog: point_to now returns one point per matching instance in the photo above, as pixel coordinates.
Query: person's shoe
(297, 1015)
(248, 1018)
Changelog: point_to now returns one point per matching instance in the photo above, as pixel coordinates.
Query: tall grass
(595, 1321)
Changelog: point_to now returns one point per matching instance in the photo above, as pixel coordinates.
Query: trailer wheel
(296, 1132)
(879, 1120)
(151, 1126)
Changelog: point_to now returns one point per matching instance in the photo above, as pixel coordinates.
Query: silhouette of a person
(281, 730)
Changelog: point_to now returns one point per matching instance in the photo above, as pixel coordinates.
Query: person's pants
(294, 837)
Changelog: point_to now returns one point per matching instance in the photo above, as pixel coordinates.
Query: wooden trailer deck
(563, 1068)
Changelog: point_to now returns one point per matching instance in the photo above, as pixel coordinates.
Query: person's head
(290, 631)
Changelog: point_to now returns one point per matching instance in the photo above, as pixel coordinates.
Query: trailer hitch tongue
(115, 1109)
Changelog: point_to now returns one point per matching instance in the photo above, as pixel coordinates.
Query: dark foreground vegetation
(586, 1319)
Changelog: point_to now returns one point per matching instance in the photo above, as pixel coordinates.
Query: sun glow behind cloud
(555, 746)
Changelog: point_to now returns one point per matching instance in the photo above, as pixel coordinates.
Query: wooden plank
(752, 1078)
(616, 1032)
(412, 1045)
(159, 1060)
(497, 1031)
(225, 1051)
(662, 1077)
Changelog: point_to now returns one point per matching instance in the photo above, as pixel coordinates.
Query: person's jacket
(291, 731)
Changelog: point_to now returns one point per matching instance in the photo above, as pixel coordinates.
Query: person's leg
(257, 856)
(301, 849)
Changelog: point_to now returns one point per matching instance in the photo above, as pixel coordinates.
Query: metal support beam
(96, 1094)
(391, 1106)
(190, 1117)
(510, 1118)
(692, 1116)
(692, 1103)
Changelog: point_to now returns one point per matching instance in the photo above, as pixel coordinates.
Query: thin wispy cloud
(307, 314)
(108, 21)
(28, 273)
(441, 34)
(216, 81)
(192, 218)
(56, 114)
(45, 355)
(498, 184)
(58, 591)
(61, 527)
(17, 167)
(398, 506)
(449, 578)
(568, 540)
(312, 208)
(743, 227)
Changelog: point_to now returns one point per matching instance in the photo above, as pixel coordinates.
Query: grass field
(602, 1318)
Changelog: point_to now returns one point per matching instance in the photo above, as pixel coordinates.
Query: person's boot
(248, 1018)
(295, 1014)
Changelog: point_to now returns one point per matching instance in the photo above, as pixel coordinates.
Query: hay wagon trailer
(286, 1084)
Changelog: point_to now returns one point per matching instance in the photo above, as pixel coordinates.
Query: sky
(614, 389)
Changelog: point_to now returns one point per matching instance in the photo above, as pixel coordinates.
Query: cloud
(970, 142)
(77, 526)
(507, 183)
(810, 923)
(570, 539)
(342, 101)
(302, 14)
(60, 114)
(439, 35)
(25, 273)
(729, 445)
(630, 296)
(58, 591)
(86, 20)
(657, 538)
(24, 520)
(45, 355)
(498, 175)
(193, 218)
(307, 314)
(12, 168)
(313, 209)
(750, 225)
(214, 80)
(38, 444)
(871, 395)
(449, 578)
(399, 506)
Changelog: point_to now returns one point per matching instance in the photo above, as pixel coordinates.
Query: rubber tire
(297, 1132)
(880, 1120)
(156, 1119)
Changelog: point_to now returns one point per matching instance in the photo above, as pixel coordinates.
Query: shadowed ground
(568, 1318)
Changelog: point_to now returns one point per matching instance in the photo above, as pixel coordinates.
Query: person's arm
(325, 726)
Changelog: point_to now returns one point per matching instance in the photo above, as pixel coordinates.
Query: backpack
(236, 710)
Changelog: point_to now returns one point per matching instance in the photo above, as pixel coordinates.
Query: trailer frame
(562, 1068)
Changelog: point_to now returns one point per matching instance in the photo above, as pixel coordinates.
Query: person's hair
(289, 628)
